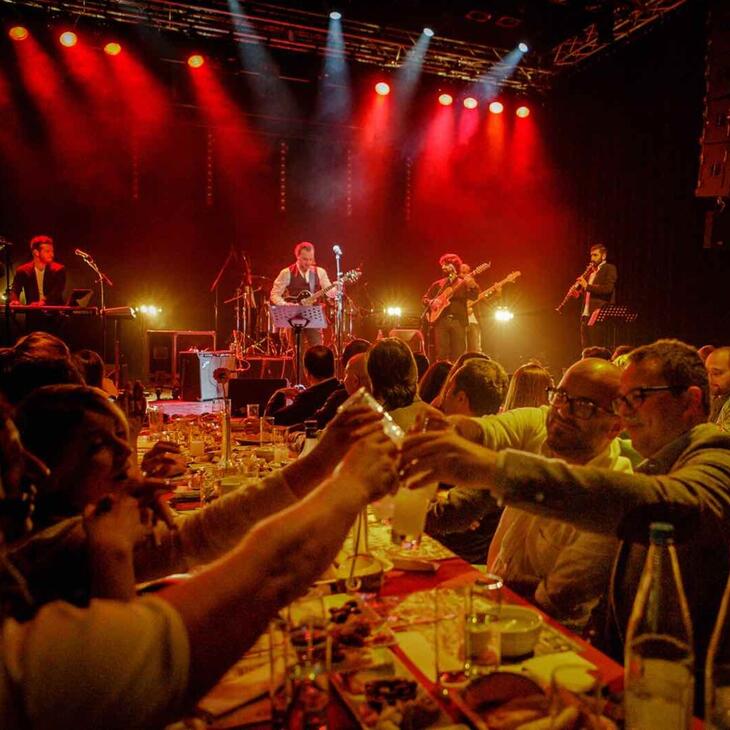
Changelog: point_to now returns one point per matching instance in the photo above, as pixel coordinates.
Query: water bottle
(717, 671)
(659, 655)
(310, 436)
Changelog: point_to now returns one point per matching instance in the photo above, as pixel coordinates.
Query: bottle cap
(661, 533)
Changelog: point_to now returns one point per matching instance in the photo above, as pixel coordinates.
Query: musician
(450, 328)
(303, 276)
(42, 281)
(598, 289)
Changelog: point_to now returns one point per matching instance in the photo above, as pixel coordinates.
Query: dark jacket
(603, 288)
(304, 405)
(54, 282)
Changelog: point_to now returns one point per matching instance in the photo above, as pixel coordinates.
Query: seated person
(91, 366)
(82, 437)
(431, 382)
(147, 662)
(394, 380)
(319, 374)
(476, 389)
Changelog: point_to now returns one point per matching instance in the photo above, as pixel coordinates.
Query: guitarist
(302, 276)
(450, 328)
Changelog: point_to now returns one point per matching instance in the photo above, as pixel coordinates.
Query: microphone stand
(5, 245)
(338, 308)
(102, 279)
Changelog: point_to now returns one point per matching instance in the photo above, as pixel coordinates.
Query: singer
(450, 328)
(41, 280)
(299, 281)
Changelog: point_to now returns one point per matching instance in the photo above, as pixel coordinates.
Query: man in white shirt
(301, 280)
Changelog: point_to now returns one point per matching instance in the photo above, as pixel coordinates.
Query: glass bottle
(310, 436)
(659, 654)
(717, 670)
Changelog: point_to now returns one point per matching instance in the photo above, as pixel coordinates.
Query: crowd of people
(552, 486)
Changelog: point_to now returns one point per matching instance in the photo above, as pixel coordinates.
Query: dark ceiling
(471, 35)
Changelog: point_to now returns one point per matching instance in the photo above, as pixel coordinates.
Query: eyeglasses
(635, 397)
(579, 407)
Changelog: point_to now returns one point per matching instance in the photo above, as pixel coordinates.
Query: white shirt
(39, 280)
(282, 282)
(591, 279)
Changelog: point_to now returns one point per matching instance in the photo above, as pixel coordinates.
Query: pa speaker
(412, 338)
(196, 374)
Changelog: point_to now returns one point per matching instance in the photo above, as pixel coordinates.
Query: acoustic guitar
(306, 298)
(437, 305)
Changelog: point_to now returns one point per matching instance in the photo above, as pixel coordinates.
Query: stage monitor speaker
(164, 348)
(243, 391)
(412, 338)
(196, 374)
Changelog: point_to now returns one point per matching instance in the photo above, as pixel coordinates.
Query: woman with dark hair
(394, 380)
(528, 387)
(433, 380)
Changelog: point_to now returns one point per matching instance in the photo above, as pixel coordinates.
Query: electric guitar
(492, 289)
(437, 305)
(306, 298)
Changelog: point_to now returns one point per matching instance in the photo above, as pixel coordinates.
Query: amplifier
(412, 338)
(196, 374)
(164, 347)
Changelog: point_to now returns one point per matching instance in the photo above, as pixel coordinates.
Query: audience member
(718, 371)
(561, 568)
(477, 388)
(319, 374)
(663, 403)
(42, 345)
(620, 350)
(431, 382)
(704, 351)
(528, 387)
(602, 353)
(394, 380)
(422, 364)
(24, 374)
(144, 663)
(437, 402)
(91, 367)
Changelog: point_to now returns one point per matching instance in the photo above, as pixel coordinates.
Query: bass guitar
(437, 305)
(306, 298)
(493, 289)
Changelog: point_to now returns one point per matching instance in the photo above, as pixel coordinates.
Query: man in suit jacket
(42, 280)
(319, 371)
(599, 289)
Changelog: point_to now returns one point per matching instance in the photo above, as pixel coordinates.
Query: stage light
(446, 99)
(195, 61)
(149, 309)
(112, 49)
(18, 33)
(502, 314)
(428, 32)
(68, 39)
(522, 112)
(382, 88)
(496, 107)
(523, 47)
(393, 311)
(335, 15)
(470, 102)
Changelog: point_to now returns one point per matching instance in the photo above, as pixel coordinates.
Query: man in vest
(301, 277)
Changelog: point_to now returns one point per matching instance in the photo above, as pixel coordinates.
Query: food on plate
(498, 688)
(515, 713)
(397, 703)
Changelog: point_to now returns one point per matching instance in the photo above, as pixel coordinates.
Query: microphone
(5, 242)
(81, 253)
(337, 250)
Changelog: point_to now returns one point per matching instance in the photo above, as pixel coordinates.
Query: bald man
(718, 373)
(562, 569)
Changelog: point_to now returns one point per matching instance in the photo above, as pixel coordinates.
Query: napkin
(236, 689)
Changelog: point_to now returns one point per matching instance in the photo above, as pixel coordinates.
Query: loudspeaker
(243, 391)
(412, 338)
(164, 347)
(196, 374)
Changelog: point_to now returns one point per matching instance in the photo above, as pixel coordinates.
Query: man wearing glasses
(663, 403)
(563, 569)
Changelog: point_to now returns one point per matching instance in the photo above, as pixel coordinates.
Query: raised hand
(372, 465)
(163, 460)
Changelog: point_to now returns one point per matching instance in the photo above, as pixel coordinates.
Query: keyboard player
(42, 282)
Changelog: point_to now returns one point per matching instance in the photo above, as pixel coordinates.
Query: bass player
(300, 280)
(449, 329)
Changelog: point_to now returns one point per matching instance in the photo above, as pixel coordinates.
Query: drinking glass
(409, 513)
(576, 689)
(156, 418)
(280, 660)
(450, 637)
(278, 439)
(267, 430)
(484, 601)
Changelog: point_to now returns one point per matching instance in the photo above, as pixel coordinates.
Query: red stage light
(382, 88)
(112, 49)
(18, 33)
(522, 112)
(496, 107)
(446, 99)
(470, 102)
(68, 39)
(196, 61)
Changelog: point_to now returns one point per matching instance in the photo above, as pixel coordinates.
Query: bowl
(519, 628)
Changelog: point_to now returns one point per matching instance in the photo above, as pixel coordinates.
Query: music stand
(613, 315)
(298, 318)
